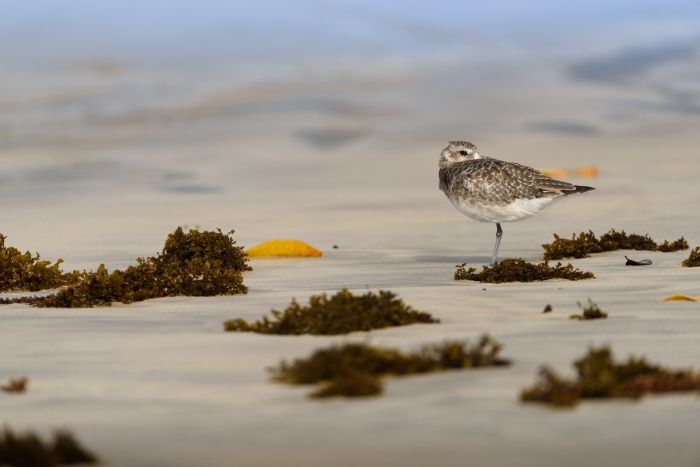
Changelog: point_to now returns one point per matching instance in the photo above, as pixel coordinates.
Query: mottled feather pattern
(491, 181)
(490, 190)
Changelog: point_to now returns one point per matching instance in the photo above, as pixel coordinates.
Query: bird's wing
(547, 186)
(497, 182)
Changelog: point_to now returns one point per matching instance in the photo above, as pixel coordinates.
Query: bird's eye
(464, 153)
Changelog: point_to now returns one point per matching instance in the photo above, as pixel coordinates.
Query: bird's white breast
(515, 211)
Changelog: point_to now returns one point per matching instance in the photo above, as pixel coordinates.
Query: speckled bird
(491, 190)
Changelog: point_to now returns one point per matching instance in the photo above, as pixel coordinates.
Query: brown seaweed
(592, 311)
(26, 271)
(693, 260)
(586, 243)
(340, 313)
(598, 376)
(25, 300)
(349, 384)
(28, 449)
(194, 263)
(356, 369)
(519, 270)
(15, 385)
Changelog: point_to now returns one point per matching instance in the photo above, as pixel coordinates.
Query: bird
(492, 190)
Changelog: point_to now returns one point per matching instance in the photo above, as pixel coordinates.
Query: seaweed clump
(585, 243)
(193, 263)
(15, 385)
(355, 370)
(339, 314)
(19, 450)
(26, 300)
(519, 270)
(693, 260)
(24, 271)
(598, 376)
(592, 311)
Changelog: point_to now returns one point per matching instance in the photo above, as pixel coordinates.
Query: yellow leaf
(682, 297)
(590, 171)
(555, 173)
(283, 248)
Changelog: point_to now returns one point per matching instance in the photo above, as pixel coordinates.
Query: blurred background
(120, 120)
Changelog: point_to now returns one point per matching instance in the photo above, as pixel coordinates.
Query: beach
(99, 163)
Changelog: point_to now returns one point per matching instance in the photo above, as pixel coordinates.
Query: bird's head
(458, 151)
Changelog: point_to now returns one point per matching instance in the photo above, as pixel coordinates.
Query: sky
(183, 33)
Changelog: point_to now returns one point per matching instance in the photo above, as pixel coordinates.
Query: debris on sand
(15, 385)
(643, 262)
(589, 171)
(284, 249)
(681, 297)
(598, 376)
(693, 260)
(26, 271)
(356, 369)
(338, 314)
(28, 449)
(586, 243)
(592, 311)
(194, 263)
(26, 300)
(519, 270)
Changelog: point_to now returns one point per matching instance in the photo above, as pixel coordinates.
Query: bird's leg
(499, 234)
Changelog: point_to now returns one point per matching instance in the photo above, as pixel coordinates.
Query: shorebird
(491, 190)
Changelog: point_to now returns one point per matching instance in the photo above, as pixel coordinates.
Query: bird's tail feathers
(581, 189)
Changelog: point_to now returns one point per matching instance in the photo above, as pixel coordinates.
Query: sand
(160, 383)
